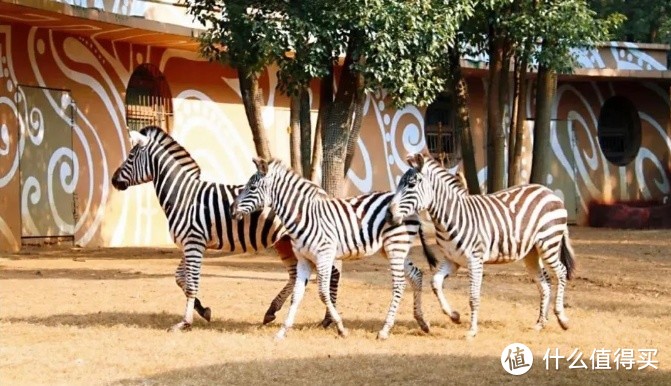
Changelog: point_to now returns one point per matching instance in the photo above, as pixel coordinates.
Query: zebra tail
(430, 256)
(567, 256)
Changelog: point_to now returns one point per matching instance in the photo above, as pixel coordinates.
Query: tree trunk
(306, 132)
(252, 99)
(295, 134)
(325, 101)
(356, 125)
(515, 177)
(545, 91)
(495, 134)
(512, 123)
(337, 124)
(463, 122)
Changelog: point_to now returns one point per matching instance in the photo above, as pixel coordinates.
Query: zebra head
(413, 193)
(135, 169)
(255, 195)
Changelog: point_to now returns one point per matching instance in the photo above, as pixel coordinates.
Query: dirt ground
(99, 316)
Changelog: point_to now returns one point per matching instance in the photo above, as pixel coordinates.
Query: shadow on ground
(386, 369)
(110, 274)
(163, 320)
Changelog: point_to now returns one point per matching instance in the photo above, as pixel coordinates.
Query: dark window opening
(619, 130)
(441, 138)
(148, 99)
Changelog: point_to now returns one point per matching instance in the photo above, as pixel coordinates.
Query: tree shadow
(77, 274)
(145, 320)
(390, 368)
(108, 274)
(107, 253)
(164, 320)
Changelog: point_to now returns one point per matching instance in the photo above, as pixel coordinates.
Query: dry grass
(99, 317)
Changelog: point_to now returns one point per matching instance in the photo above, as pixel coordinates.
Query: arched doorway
(148, 99)
(619, 130)
(441, 136)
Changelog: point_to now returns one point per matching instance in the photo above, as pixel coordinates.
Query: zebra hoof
(471, 334)
(281, 334)
(268, 318)
(207, 314)
(424, 326)
(539, 326)
(181, 326)
(563, 322)
(343, 333)
(455, 317)
(326, 322)
(382, 335)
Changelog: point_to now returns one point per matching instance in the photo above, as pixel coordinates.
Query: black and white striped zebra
(523, 222)
(324, 229)
(199, 216)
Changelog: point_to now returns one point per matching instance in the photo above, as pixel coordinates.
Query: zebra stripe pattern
(524, 222)
(199, 216)
(324, 229)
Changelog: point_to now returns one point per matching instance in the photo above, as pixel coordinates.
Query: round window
(619, 130)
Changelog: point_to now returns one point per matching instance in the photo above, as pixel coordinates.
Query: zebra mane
(452, 181)
(279, 165)
(177, 151)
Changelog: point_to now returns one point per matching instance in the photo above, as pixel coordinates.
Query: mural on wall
(207, 121)
(94, 65)
(597, 179)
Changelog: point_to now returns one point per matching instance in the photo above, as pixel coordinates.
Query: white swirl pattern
(96, 66)
(69, 173)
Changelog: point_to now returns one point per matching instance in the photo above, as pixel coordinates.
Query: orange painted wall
(210, 121)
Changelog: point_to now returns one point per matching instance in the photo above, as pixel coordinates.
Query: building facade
(75, 75)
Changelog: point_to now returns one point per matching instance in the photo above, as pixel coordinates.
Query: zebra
(199, 217)
(324, 229)
(522, 222)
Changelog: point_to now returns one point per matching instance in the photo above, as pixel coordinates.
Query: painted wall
(643, 179)
(210, 121)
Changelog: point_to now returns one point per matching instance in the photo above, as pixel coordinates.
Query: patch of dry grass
(99, 317)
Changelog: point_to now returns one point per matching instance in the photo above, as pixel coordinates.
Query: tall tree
(247, 49)
(489, 31)
(459, 89)
(396, 45)
(649, 21)
(561, 25)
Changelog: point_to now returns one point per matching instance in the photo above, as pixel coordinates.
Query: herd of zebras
(312, 230)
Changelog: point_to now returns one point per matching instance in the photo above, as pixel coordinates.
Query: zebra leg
(335, 281)
(180, 278)
(445, 269)
(414, 276)
(303, 270)
(475, 268)
(539, 275)
(398, 287)
(193, 257)
(277, 303)
(561, 273)
(324, 267)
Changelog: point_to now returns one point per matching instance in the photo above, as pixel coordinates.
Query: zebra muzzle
(117, 183)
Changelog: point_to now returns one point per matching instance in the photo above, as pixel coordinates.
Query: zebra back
(356, 225)
(511, 222)
(196, 210)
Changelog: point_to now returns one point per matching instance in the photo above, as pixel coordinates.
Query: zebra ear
(416, 161)
(261, 165)
(138, 139)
